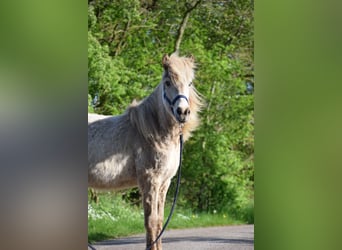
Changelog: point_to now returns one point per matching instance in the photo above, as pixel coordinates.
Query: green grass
(183, 218)
(113, 218)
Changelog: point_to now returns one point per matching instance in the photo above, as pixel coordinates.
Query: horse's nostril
(187, 112)
(179, 111)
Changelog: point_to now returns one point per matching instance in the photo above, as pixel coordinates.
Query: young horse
(141, 147)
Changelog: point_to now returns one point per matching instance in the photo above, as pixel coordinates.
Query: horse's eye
(190, 84)
(167, 82)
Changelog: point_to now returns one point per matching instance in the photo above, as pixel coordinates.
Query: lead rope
(176, 192)
(91, 247)
(174, 197)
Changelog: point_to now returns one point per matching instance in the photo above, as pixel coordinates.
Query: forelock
(180, 68)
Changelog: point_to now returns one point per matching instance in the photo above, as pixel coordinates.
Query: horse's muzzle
(182, 114)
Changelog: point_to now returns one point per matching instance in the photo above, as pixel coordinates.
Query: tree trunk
(183, 26)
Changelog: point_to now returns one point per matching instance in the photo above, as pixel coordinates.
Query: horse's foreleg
(161, 203)
(150, 202)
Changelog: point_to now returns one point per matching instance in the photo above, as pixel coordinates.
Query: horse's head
(177, 84)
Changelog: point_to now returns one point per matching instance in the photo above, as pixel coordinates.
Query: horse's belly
(114, 173)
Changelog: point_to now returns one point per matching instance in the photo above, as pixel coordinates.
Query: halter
(172, 103)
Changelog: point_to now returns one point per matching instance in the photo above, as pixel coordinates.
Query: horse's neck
(163, 126)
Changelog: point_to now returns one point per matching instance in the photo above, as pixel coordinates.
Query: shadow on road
(232, 237)
(133, 241)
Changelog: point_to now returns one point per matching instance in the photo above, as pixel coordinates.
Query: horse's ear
(165, 61)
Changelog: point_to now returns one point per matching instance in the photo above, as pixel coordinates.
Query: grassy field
(112, 218)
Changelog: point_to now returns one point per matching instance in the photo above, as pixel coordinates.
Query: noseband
(172, 103)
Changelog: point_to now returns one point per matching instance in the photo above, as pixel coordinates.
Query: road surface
(240, 237)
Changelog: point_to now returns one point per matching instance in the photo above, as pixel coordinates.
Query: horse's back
(110, 155)
(104, 132)
(95, 117)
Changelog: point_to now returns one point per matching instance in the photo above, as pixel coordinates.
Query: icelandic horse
(141, 146)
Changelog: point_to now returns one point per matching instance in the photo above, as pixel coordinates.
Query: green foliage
(126, 42)
(113, 217)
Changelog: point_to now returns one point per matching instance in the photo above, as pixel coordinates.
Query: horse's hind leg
(93, 195)
(150, 193)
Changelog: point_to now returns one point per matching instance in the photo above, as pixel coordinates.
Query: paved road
(214, 238)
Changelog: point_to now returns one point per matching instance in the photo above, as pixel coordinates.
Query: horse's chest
(163, 163)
